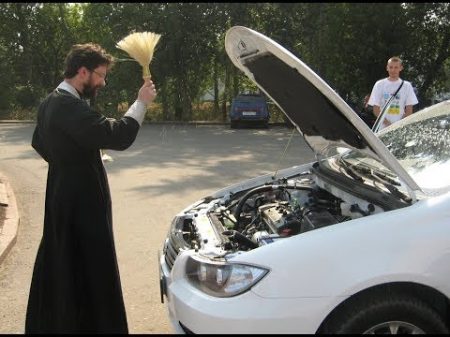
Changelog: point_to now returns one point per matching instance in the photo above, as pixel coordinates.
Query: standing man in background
(402, 103)
(75, 286)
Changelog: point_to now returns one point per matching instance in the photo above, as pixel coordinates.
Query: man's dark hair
(89, 55)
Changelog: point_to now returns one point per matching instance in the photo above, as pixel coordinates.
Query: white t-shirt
(382, 92)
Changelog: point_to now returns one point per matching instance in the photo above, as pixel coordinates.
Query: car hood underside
(317, 111)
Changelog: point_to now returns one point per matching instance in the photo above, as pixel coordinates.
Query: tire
(233, 124)
(393, 314)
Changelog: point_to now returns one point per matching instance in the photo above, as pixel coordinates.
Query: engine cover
(280, 218)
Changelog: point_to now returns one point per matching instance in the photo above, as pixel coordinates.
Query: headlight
(222, 279)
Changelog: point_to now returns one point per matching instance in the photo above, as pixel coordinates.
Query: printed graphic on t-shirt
(394, 107)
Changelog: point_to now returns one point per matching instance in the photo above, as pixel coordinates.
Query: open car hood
(316, 110)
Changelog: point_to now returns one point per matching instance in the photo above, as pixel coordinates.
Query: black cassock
(76, 286)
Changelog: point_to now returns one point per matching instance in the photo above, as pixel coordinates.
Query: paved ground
(9, 216)
(167, 168)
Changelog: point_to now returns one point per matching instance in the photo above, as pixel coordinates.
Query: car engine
(257, 216)
(272, 212)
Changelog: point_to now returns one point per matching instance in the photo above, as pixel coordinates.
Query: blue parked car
(249, 109)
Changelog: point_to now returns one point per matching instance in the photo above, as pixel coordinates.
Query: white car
(356, 242)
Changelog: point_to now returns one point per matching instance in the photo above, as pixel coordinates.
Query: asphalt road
(166, 169)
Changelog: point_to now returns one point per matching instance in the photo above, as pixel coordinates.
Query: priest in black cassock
(75, 286)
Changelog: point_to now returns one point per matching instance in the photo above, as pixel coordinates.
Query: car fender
(411, 244)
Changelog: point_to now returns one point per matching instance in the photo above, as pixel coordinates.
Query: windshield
(421, 144)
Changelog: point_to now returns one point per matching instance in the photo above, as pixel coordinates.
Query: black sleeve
(37, 144)
(92, 130)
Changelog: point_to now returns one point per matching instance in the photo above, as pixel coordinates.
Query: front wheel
(394, 314)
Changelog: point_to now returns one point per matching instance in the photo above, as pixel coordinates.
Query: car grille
(179, 239)
(171, 251)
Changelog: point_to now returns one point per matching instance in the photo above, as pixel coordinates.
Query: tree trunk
(164, 102)
(216, 89)
(235, 83)
(186, 102)
(225, 93)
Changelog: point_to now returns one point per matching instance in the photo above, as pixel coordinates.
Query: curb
(8, 232)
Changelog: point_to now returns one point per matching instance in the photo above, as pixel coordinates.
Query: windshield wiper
(394, 190)
(386, 178)
(387, 182)
(375, 176)
(372, 172)
(347, 167)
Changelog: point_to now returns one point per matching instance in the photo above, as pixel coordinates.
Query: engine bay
(280, 209)
(272, 212)
(271, 208)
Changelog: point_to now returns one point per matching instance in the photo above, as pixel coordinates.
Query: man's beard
(90, 91)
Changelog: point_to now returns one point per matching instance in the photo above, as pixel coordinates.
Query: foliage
(347, 44)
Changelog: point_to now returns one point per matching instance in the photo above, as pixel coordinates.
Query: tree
(347, 44)
(428, 48)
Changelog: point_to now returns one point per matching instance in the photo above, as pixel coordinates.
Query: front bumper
(192, 311)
